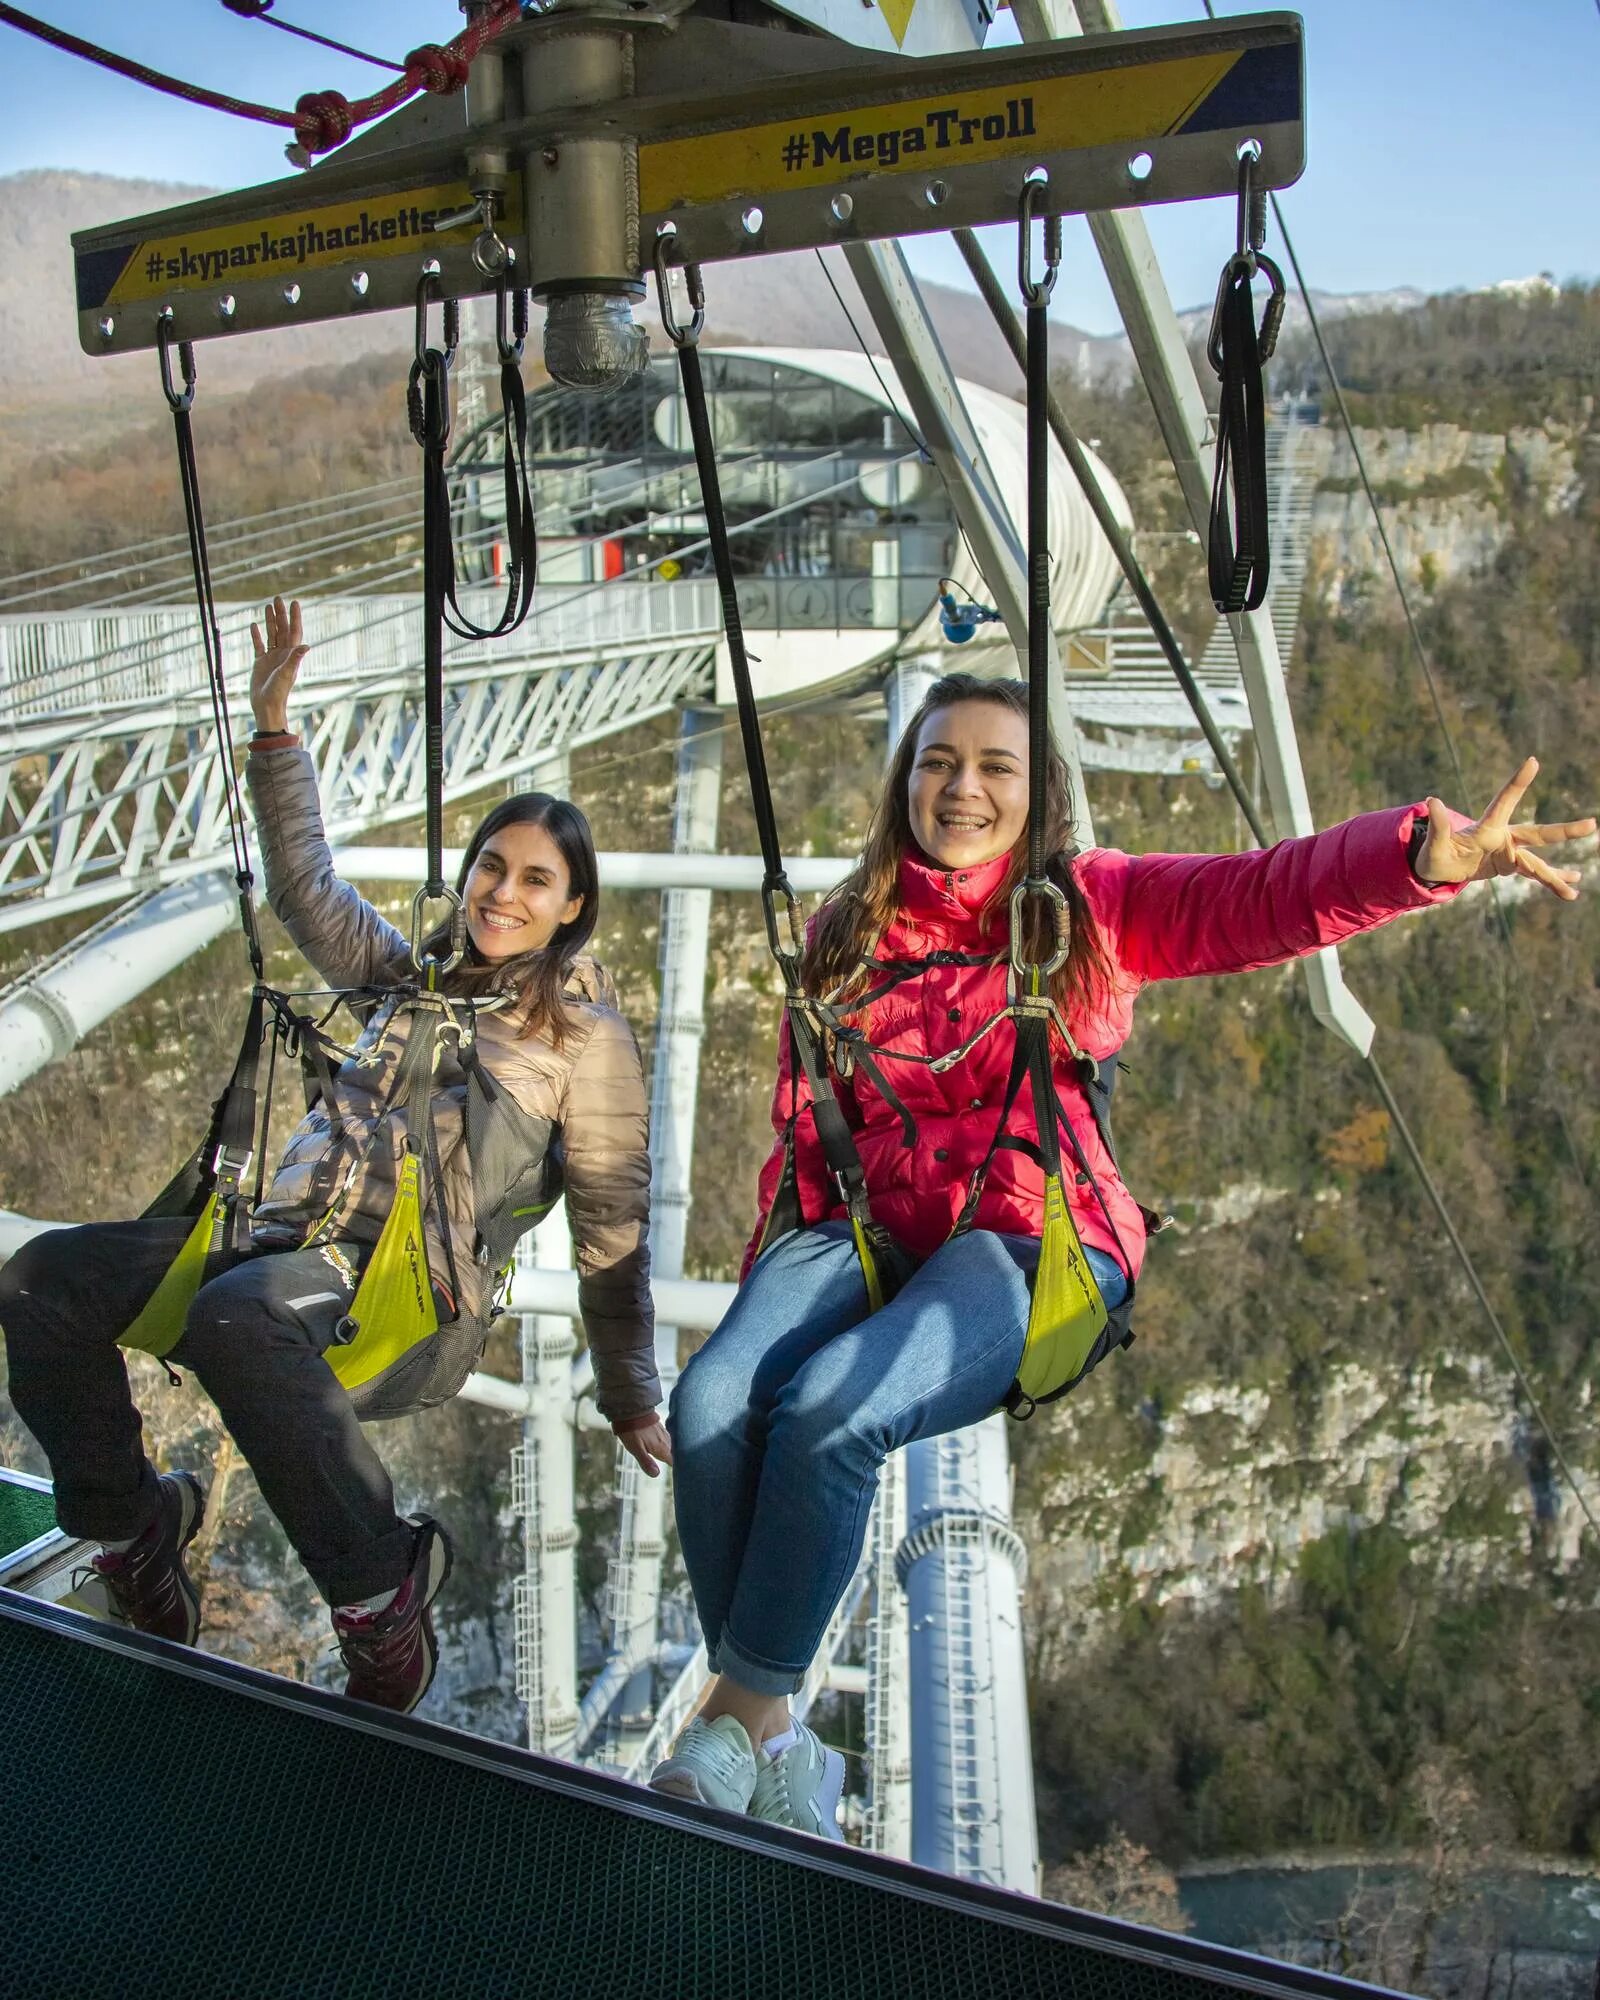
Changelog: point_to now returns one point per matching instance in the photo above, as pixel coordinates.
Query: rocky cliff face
(1227, 1488)
(1446, 492)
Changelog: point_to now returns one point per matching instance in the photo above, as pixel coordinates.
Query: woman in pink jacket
(780, 1423)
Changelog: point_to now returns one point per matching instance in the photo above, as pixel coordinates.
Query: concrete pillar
(963, 1567)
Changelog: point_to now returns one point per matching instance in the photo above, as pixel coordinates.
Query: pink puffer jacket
(1159, 916)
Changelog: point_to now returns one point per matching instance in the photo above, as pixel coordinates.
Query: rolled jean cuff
(756, 1676)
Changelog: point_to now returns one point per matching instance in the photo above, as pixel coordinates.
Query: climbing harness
(1070, 1328)
(514, 1166)
(884, 1265)
(1238, 560)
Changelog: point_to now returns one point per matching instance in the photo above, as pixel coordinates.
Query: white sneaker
(800, 1787)
(713, 1765)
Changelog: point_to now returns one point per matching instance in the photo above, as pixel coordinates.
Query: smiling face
(967, 793)
(519, 892)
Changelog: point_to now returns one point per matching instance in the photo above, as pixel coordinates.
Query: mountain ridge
(41, 207)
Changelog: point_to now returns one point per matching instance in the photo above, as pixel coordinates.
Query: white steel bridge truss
(110, 779)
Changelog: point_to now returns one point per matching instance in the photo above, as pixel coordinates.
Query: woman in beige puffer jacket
(555, 1104)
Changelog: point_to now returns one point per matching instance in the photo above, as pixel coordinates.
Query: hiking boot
(800, 1787)
(148, 1584)
(713, 1765)
(392, 1654)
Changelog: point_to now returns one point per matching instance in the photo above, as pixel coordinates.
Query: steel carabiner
(676, 332)
(177, 399)
(1037, 293)
(1250, 227)
(510, 309)
(452, 319)
(431, 367)
(1050, 893)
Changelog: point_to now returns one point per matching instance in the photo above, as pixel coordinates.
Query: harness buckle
(230, 1169)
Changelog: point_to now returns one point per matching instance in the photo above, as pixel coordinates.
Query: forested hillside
(1303, 1577)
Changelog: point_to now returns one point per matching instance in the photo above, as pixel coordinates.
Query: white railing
(94, 661)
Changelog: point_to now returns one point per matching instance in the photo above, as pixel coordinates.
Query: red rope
(322, 119)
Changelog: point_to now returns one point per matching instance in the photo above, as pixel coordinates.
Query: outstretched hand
(647, 1444)
(277, 661)
(1494, 846)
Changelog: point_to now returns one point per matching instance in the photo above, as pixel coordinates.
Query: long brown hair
(854, 915)
(537, 978)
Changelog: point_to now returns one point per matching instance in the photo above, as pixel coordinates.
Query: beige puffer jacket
(583, 1108)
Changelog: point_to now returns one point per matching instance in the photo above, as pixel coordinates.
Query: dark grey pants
(254, 1337)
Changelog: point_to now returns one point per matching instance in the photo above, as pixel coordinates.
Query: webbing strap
(1237, 560)
(1039, 625)
(883, 1264)
(438, 564)
(705, 458)
(180, 400)
(521, 537)
(414, 1097)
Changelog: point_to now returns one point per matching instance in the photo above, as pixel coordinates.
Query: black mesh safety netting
(201, 1829)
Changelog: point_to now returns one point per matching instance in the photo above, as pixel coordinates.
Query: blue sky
(1452, 142)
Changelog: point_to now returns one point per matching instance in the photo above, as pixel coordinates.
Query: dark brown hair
(854, 915)
(538, 978)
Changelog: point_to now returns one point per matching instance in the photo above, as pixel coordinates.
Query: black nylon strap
(180, 402)
(414, 1097)
(705, 458)
(521, 538)
(438, 567)
(1237, 559)
(1038, 422)
(838, 1143)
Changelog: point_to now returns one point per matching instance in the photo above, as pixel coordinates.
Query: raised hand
(1494, 846)
(277, 661)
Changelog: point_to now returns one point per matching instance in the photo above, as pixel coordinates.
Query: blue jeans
(780, 1423)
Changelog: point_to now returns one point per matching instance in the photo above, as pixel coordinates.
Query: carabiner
(1037, 294)
(177, 399)
(796, 916)
(510, 308)
(452, 318)
(1250, 227)
(423, 960)
(1052, 894)
(676, 332)
(1245, 264)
